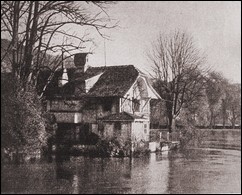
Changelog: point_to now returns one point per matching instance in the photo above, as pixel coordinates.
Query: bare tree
(36, 33)
(33, 27)
(176, 65)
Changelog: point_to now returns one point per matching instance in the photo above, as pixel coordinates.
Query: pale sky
(215, 27)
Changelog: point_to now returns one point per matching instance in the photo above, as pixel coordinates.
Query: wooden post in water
(168, 136)
(132, 149)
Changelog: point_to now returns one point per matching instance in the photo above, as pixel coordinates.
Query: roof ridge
(124, 65)
(132, 115)
(127, 113)
(120, 116)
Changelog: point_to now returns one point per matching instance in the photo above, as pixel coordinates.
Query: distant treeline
(157, 126)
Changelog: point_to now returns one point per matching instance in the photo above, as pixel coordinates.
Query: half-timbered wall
(140, 131)
(75, 111)
(64, 105)
(136, 95)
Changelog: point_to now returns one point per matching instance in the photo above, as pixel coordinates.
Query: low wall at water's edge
(222, 138)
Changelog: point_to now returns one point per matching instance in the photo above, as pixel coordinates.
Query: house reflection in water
(75, 185)
(116, 175)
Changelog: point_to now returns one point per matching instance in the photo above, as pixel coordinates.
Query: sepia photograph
(120, 97)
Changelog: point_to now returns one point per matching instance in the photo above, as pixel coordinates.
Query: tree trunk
(224, 118)
(172, 124)
(224, 112)
(214, 121)
(211, 119)
(233, 125)
(32, 40)
(223, 122)
(15, 37)
(170, 119)
(233, 119)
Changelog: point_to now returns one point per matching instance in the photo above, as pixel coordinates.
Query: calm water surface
(201, 170)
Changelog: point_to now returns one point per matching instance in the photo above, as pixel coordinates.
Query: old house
(109, 101)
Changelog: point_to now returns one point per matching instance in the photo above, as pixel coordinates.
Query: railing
(157, 135)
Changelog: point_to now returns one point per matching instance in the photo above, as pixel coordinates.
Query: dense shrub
(191, 136)
(25, 127)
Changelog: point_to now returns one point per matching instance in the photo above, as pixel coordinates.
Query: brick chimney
(63, 79)
(80, 61)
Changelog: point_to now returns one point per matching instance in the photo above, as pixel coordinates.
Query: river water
(198, 170)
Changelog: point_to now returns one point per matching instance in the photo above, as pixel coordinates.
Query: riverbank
(221, 139)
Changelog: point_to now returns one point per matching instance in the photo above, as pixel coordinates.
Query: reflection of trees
(149, 174)
(75, 184)
(185, 175)
(63, 172)
(158, 173)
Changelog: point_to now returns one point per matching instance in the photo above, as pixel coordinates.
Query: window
(117, 128)
(117, 125)
(101, 128)
(54, 105)
(107, 105)
(90, 105)
(145, 128)
(94, 128)
(136, 105)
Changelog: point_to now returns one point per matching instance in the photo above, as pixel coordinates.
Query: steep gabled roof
(114, 81)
